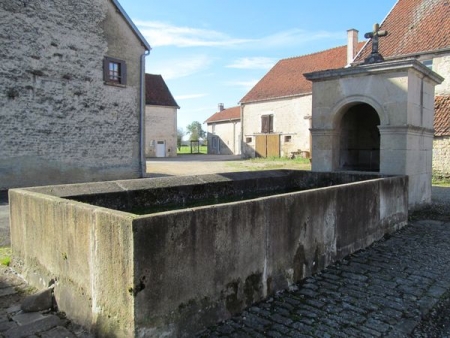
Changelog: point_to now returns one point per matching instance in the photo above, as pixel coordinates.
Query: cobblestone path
(383, 291)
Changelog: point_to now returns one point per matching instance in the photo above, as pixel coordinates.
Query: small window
(266, 124)
(114, 71)
(287, 138)
(428, 63)
(248, 140)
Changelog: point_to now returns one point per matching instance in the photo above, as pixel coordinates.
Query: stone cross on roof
(375, 56)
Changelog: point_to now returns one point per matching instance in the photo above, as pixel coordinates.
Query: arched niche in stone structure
(395, 97)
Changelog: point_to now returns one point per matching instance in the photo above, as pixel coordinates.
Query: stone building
(420, 29)
(224, 131)
(160, 118)
(276, 112)
(71, 94)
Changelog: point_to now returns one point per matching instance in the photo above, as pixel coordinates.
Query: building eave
(224, 120)
(275, 98)
(161, 105)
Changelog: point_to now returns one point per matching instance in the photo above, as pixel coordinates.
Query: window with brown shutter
(114, 71)
(266, 124)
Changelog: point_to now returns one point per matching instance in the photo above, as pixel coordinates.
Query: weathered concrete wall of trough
(174, 272)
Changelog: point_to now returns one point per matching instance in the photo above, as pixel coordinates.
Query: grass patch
(5, 256)
(440, 180)
(270, 163)
(186, 150)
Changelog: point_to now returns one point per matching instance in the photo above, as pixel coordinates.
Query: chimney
(352, 44)
(221, 107)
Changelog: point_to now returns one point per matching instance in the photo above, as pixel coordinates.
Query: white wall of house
(224, 138)
(441, 65)
(290, 120)
(160, 131)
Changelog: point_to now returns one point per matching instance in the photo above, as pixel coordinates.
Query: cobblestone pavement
(386, 290)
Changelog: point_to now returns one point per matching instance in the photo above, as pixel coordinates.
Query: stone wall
(288, 120)
(160, 125)
(441, 145)
(60, 122)
(441, 156)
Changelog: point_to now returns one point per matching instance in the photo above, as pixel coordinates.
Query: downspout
(234, 137)
(142, 161)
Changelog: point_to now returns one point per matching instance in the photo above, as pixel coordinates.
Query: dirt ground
(185, 165)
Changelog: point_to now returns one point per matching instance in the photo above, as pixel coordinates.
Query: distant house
(224, 131)
(276, 112)
(160, 118)
(420, 29)
(71, 93)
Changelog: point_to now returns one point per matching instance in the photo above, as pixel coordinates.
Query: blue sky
(211, 51)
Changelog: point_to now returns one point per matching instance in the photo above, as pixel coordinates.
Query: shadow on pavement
(3, 197)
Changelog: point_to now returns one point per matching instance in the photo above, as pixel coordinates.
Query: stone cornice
(410, 129)
(371, 69)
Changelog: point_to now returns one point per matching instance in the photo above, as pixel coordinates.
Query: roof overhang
(224, 120)
(276, 98)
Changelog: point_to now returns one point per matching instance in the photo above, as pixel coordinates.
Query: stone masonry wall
(60, 122)
(441, 156)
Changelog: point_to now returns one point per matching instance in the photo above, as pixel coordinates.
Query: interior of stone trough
(215, 189)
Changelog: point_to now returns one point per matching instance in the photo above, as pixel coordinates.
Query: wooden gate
(267, 145)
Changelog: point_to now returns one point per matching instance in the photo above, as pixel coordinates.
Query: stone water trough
(166, 257)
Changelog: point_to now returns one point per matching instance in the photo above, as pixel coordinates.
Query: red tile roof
(413, 26)
(157, 93)
(286, 77)
(233, 113)
(442, 115)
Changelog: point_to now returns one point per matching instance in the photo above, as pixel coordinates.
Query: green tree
(195, 131)
(180, 135)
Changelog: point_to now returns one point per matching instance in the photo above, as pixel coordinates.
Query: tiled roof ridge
(415, 27)
(231, 113)
(314, 53)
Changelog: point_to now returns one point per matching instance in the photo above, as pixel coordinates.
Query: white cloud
(163, 34)
(246, 85)
(296, 37)
(253, 63)
(173, 68)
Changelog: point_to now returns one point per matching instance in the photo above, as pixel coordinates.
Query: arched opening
(359, 144)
